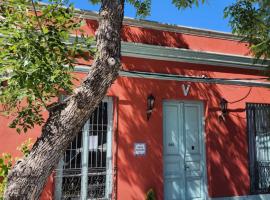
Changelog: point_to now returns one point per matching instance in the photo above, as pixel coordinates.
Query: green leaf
(143, 7)
(181, 4)
(94, 1)
(39, 56)
(251, 20)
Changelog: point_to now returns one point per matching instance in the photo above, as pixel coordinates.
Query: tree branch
(35, 11)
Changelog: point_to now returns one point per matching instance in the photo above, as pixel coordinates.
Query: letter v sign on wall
(185, 89)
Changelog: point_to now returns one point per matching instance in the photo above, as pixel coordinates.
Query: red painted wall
(226, 142)
(174, 39)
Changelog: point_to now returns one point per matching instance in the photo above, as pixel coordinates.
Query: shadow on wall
(153, 37)
(143, 35)
(226, 141)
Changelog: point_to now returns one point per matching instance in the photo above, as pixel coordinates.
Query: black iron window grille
(258, 126)
(70, 173)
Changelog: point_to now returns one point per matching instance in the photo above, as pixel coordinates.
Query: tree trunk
(28, 177)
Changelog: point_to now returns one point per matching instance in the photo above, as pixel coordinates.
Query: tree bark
(28, 177)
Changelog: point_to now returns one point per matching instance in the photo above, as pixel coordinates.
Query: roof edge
(165, 27)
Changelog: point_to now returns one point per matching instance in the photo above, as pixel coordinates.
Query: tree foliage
(36, 56)
(150, 195)
(186, 3)
(6, 161)
(143, 7)
(251, 20)
(5, 166)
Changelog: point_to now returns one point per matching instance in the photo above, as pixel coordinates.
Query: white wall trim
(109, 156)
(248, 197)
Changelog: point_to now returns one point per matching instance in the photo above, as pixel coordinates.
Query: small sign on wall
(139, 149)
(93, 143)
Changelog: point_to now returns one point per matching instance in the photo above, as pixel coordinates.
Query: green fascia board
(191, 56)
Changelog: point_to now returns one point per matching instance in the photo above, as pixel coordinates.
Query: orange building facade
(205, 135)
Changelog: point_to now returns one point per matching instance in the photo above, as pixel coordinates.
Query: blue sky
(207, 16)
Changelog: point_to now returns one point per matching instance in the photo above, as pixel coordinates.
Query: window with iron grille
(85, 171)
(258, 126)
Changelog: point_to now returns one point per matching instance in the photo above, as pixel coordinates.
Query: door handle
(186, 167)
(171, 144)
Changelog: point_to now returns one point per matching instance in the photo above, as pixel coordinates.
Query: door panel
(173, 171)
(193, 157)
(192, 129)
(173, 188)
(184, 167)
(194, 189)
(172, 130)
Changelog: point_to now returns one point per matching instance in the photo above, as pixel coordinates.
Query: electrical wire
(138, 73)
(241, 99)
